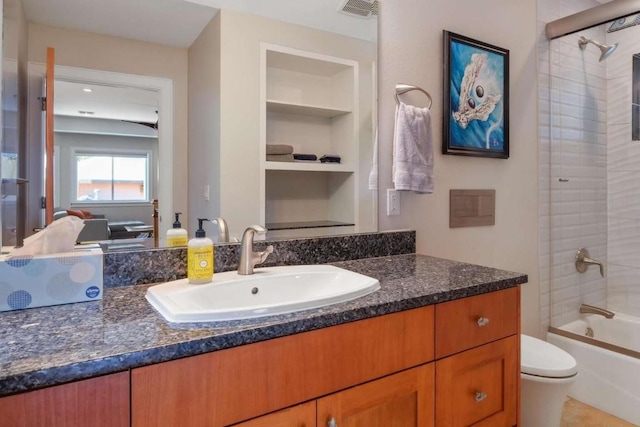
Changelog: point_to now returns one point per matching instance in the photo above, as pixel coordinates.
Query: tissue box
(41, 280)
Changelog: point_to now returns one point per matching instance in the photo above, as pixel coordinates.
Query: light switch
(393, 202)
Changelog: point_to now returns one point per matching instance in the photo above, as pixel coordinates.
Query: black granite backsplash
(162, 265)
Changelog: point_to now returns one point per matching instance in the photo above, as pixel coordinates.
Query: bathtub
(608, 364)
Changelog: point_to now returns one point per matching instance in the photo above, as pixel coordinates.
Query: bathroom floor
(578, 414)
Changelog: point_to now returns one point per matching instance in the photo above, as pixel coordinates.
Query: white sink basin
(269, 291)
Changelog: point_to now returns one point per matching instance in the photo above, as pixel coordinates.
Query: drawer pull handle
(332, 423)
(483, 321)
(480, 396)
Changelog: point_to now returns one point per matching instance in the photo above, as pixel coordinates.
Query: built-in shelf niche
(310, 103)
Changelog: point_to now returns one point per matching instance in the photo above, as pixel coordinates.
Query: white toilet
(546, 372)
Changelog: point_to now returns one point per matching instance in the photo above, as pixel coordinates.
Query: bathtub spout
(589, 309)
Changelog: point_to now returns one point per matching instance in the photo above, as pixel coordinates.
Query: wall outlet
(207, 191)
(393, 202)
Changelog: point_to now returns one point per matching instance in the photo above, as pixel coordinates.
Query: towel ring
(404, 88)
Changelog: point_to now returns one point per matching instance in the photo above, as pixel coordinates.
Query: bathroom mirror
(329, 189)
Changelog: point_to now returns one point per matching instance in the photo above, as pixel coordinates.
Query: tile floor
(578, 414)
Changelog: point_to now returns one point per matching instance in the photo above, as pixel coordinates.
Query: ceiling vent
(359, 8)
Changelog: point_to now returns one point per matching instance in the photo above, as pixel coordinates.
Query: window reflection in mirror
(111, 178)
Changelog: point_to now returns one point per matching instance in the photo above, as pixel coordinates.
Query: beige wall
(93, 51)
(204, 125)
(411, 52)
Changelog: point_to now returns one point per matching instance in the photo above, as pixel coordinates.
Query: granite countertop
(52, 345)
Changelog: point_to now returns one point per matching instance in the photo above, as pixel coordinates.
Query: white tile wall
(623, 164)
(573, 146)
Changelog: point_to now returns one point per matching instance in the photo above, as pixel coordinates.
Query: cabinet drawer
(473, 321)
(233, 385)
(479, 387)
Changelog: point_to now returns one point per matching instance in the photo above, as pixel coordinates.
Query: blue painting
(476, 98)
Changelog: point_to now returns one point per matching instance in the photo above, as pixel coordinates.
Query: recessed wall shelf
(310, 101)
(308, 166)
(303, 109)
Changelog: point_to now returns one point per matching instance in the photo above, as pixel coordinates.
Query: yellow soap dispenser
(200, 257)
(177, 236)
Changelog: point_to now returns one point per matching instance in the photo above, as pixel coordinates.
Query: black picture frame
(476, 77)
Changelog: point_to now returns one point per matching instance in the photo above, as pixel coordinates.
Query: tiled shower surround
(589, 169)
(623, 176)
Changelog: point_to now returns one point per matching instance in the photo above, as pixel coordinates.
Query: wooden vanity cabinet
(229, 386)
(96, 402)
(451, 364)
(430, 366)
(402, 399)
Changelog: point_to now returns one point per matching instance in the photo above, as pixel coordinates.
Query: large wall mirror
(213, 108)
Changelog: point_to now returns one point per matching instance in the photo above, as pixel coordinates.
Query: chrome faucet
(248, 258)
(223, 229)
(583, 261)
(590, 309)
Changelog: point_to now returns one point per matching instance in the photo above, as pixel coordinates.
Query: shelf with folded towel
(309, 166)
(304, 109)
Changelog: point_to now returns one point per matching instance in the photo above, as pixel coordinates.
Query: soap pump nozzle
(177, 224)
(200, 231)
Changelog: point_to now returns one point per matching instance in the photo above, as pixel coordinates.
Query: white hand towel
(413, 150)
(373, 175)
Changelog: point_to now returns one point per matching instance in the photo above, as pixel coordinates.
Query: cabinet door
(479, 387)
(96, 402)
(401, 400)
(299, 416)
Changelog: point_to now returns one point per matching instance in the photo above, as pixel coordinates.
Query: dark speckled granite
(162, 265)
(52, 345)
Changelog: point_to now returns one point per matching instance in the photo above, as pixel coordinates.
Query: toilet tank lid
(538, 357)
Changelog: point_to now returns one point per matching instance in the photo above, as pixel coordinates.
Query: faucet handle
(588, 260)
(264, 254)
(582, 261)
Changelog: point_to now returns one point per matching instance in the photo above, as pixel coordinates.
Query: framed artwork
(476, 98)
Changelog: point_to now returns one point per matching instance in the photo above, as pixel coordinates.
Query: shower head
(605, 50)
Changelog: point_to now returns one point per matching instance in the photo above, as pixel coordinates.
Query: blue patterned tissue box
(41, 280)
